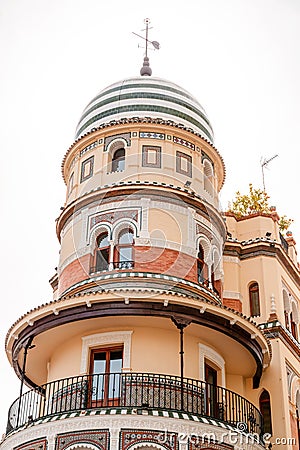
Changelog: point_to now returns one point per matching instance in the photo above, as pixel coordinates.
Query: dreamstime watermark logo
(240, 436)
(163, 222)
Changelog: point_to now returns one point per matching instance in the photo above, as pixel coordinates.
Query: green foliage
(284, 223)
(257, 201)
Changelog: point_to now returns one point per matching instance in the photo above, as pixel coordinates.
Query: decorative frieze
(100, 439)
(109, 139)
(39, 444)
(130, 437)
(183, 142)
(112, 216)
(152, 135)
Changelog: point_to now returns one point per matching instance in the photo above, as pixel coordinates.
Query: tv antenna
(146, 69)
(264, 165)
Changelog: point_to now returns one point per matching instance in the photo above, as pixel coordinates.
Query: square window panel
(151, 156)
(184, 164)
(87, 169)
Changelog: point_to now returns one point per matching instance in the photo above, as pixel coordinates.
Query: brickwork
(166, 261)
(233, 303)
(76, 271)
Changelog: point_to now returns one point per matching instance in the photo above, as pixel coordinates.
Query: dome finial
(146, 69)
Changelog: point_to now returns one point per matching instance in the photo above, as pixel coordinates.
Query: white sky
(240, 58)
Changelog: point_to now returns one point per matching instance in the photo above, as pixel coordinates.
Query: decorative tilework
(183, 142)
(89, 147)
(87, 169)
(109, 139)
(152, 135)
(169, 138)
(39, 444)
(99, 439)
(85, 150)
(113, 215)
(165, 439)
(184, 164)
(151, 156)
(134, 134)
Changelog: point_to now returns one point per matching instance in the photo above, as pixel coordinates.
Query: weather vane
(146, 69)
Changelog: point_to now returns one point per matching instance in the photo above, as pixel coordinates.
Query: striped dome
(145, 97)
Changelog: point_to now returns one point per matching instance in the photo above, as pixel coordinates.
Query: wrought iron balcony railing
(112, 266)
(135, 390)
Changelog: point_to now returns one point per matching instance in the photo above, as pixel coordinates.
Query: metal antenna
(146, 69)
(264, 164)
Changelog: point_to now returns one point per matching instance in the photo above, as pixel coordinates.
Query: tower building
(171, 326)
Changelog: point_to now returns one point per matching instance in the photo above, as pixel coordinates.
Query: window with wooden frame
(265, 409)
(200, 264)
(124, 249)
(118, 160)
(254, 299)
(105, 379)
(102, 253)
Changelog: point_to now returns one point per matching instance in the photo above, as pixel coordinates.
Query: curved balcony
(135, 390)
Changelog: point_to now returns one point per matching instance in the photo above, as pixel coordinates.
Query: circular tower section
(137, 326)
(143, 179)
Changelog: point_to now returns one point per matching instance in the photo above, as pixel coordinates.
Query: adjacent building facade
(172, 326)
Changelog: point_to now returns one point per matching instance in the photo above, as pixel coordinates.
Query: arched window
(254, 299)
(118, 160)
(208, 176)
(294, 320)
(265, 409)
(124, 250)
(102, 252)
(200, 265)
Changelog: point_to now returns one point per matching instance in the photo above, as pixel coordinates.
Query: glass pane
(126, 237)
(103, 240)
(116, 357)
(102, 259)
(99, 362)
(99, 367)
(125, 254)
(118, 161)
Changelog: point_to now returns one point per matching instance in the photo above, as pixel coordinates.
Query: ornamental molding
(116, 422)
(208, 353)
(231, 259)
(233, 295)
(100, 339)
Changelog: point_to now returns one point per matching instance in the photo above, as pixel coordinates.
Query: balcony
(116, 265)
(135, 391)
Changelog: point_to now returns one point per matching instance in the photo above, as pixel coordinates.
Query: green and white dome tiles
(145, 97)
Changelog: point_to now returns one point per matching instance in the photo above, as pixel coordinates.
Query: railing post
(181, 324)
(26, 347)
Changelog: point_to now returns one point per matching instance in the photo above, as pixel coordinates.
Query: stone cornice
(115, 191)
(144, 120)
(262, 247)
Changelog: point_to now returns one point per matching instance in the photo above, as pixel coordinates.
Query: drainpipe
(26, 347)
(181, 324)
